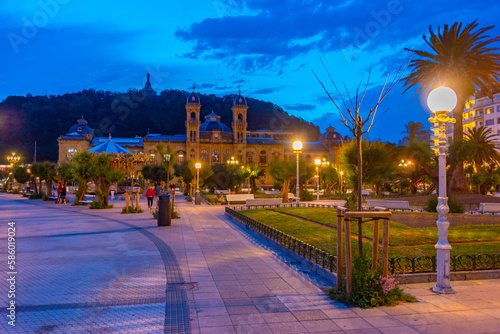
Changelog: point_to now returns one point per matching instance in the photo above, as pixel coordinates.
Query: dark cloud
(265, 90)
(300, 107)
(279, 31)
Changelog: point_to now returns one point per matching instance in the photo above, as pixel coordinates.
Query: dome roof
(193, 98)
(213, 123)
(331, 135)
(239, 100)
(81, 128)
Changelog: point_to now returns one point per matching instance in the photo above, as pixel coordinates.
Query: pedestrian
(63, 195)
(59, 189)
(158, 191)
(112, 190)
(150, 195)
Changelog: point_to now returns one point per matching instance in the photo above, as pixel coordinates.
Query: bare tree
(350, 111)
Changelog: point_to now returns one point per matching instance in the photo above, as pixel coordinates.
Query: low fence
(282, 205)
(398, 265)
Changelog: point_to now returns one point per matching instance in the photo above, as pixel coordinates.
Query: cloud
(263, 91)
(300, 107)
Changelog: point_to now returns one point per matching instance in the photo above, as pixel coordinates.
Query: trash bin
(164, 215)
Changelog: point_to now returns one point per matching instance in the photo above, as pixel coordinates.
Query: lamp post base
(197, 197)
(443, 285)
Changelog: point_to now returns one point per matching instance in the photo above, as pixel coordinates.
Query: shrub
(369, 289)
(189, 198)
(36, 196)
(306, 195)
(15, 191)
(455, 206)
(99, 205)
(132, 210)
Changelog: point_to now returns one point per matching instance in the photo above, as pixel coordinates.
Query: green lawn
(405, 241)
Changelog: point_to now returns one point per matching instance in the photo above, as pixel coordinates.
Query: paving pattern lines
(93, 265)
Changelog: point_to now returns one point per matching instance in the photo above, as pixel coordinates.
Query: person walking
(158, 191)
(112, 190)
(59, 189)
(63, 194)
(150, 195)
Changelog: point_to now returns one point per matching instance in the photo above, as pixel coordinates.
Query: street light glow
(442, 99)
(197, 165)
(317, 162)
(297, 145)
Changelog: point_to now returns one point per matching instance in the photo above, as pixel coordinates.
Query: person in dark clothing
(63, 195)
(150, 195)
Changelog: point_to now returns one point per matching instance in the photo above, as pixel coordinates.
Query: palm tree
(464, 60)
(483, 146)
(414, 131)
(255, 173)
(168, 158)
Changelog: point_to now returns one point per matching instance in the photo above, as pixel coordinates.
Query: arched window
(262, 152)
(227, 152)
(203, 151)
(79, 129)
(193, 115)
(240, 117)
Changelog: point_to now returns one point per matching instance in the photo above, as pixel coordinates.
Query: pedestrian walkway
(98, 271)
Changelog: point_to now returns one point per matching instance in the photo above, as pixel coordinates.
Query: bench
(489, 207)
(238, 198)
(262, 201)
(366, 193)
(393, 205)
(225, 192)
(291, 197)
(88, 199)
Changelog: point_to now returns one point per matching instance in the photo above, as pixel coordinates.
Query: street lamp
(197, 196)
(317, 162)
(341, 173)
(441, 101)
(232, 161)
(297, 147)
(12, 159)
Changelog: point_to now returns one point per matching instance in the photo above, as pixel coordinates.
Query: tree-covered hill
(24, 120)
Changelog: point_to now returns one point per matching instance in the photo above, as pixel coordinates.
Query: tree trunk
(284, 191)
(360, 164)
(458, 182)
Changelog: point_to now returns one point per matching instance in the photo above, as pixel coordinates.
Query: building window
(240, 117)
(249, 159)
(193, 115)
(498, 108)
(263, 159)
(192, 150)
(203, 151)
(79, 129)
(489, 111)
(490, 122)
(204, 157)
(240, 158)
(152, 157)
(72, 150)
(263, 152)
(192, 157)
(215, 156)
(180, 158)
(498, 120)
(227, 152)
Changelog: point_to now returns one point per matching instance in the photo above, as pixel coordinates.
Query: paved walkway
(98, 271)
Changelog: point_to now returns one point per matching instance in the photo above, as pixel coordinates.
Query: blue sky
(268, 48)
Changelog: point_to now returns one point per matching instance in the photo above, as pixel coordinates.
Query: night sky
(265, 48)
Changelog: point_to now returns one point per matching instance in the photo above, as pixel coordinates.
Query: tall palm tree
(415, 131)
(464, 60)
(483, 146)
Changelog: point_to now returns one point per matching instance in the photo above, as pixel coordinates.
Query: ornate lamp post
(317, 162)
(232, 161)
(197, 195)
(297, 148)
(441, 101)
(13, 159)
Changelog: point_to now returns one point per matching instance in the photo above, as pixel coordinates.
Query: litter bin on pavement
(164, 215)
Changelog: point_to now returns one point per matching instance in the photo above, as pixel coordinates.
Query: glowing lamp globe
(442, 99)
(317, 162)
(297, 145)
(197, 165)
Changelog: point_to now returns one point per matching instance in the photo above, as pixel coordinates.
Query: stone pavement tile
(471, 315)
(214, 321)
(370, 312)
(398, 330)
(242, 309)
(253, 329)
(489, 326)
(233, 294)
(352, 323)
(435, 329)
(199, 295)
(319, 326)
(272, 308)
(238, 302)
(266, 300)
(419, 319)
(480, 304)
(424, 308)
(287, 327)
(278, 317)
(218, 330)
(310, 315)
(212, 311)
(340, 314)
(247, 319)
(205, 303)
(444, 303)
(396, 310)
(491, 312)
(384, 321)
(363, 331)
